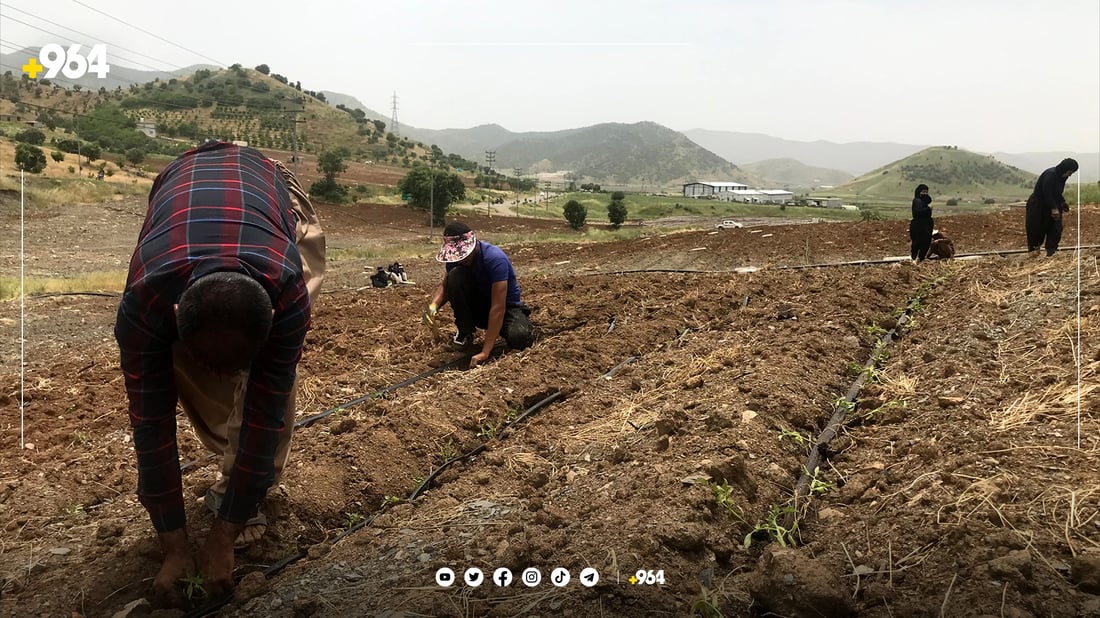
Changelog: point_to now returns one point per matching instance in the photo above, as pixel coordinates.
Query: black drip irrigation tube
(753, 269)
(843, 407)
(275, 568)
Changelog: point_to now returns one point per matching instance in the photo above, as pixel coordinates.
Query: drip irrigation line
(310, 420)
(753, 269)
(52, 294)
(842, 408)
(275, 568)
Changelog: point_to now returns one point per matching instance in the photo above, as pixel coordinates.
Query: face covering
(927, 199)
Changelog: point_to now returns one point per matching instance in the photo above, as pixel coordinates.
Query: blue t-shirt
(490, 266)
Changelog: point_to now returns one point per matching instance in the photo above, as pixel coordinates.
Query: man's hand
(216, 557)
(478, 358)
(428, 317)
(178, 562)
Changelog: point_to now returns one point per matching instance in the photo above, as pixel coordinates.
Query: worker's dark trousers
(471, 309)
(1041, 226)
(920, 237)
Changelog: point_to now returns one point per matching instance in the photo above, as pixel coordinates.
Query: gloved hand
(428, 317)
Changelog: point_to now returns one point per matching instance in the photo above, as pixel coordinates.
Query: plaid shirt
(216, 208)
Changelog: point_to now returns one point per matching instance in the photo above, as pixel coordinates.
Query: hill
(854, 158)
(949, 172)
(233, 104)
(639, 153)
(643, 153)
(791, 174)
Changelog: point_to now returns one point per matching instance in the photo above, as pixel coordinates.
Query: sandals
(213, 501)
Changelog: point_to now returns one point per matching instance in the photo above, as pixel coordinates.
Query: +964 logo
(53, 59)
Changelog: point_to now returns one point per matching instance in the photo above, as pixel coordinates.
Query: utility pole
(517, 171)
(490, 157)
(295, 107)
(431, 201)
(393, 116)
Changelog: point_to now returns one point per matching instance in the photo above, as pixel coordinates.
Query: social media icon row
(502, 577)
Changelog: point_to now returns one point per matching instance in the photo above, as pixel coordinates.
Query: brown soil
(956, 488)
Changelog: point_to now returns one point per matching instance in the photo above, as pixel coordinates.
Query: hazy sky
(986, 75)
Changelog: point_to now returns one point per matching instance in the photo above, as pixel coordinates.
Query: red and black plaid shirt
(216, 208)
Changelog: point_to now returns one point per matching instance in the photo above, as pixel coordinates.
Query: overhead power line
(114, 46)
(156, 36)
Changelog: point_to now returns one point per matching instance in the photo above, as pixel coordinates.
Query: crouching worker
(481, 286)
(214, 316)
(941, 247)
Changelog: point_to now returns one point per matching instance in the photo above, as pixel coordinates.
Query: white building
(707, 188)
(824, 202)
(148, 128)
(757, 196)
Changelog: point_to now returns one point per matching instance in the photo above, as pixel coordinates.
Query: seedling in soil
(883, 409)
(793, 435)
(723, 495)
(391, 500)
(488, 432)
(194, 587)
(874, 331)
(74, 509)
(774, 528)
(840, 403)
(706, 605)
(854, 369)
(818, 486)
(872, 373)
(353, 518)
(447, 451)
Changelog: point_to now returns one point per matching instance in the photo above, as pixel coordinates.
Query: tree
(91, 151)
(135, 155)
(575, 214)
(378, 124)
(31, 136)
(30, 158)
(57, 155)
(432, 190)
(616, 213)
(263, 68)
(330, 163)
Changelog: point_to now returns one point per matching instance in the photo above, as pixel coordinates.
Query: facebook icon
(502, 577)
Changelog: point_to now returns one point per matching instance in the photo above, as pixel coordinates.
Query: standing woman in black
(920, 228)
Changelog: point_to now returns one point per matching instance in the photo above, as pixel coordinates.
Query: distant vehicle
(728, 224)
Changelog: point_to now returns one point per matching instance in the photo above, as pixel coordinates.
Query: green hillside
(791, 174)
(640, 153)
(233, 104)
(949, 172)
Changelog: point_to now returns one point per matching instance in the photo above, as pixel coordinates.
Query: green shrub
(575, 214)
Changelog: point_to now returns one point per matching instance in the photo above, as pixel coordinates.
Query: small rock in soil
(1085, 572)
(251, 586)
(344, 426)
(304, 607)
